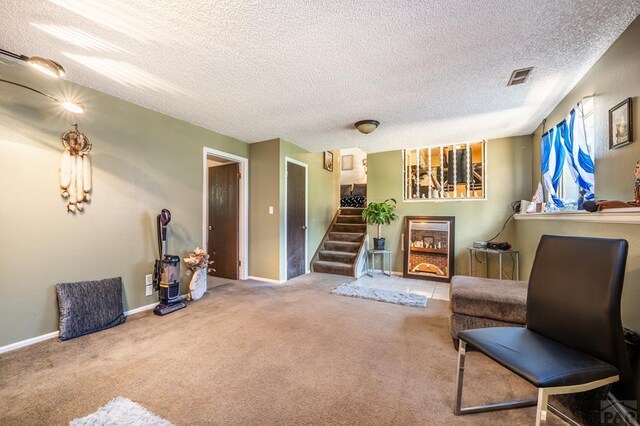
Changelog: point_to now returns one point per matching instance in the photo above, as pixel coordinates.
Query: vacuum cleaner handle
(164, 217)
(159, 233)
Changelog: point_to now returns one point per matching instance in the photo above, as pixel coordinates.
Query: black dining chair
(573, 341)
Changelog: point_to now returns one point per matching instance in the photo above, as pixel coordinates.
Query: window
(571, 146)
(448, 172)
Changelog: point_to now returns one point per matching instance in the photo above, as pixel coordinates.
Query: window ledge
(629, 215)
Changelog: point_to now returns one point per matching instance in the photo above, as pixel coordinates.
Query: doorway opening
(225, 213)
(353, 178)
(295, 220)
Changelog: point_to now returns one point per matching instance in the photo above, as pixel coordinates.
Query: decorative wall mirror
(429, 247)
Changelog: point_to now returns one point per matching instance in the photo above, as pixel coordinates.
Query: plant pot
(378, 243)
(198, 284)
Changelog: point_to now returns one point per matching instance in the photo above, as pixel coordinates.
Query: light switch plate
(149, 291)
(148, 279)
(270, 209)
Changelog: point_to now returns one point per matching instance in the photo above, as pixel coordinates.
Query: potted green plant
(380, 214)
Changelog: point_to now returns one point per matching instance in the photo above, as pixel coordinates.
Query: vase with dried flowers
(199, 263)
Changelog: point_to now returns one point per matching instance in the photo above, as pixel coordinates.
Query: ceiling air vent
(519, 76)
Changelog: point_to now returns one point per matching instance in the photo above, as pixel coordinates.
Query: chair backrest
(574, 295)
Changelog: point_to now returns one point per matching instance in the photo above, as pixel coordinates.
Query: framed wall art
(347, 162)
(328, 161)
(620, 124)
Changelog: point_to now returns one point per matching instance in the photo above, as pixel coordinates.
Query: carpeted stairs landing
(338, 253)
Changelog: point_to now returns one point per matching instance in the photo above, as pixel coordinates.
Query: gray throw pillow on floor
(89, 306)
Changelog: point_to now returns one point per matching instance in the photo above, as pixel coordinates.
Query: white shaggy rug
(407, 299)
(121, 411)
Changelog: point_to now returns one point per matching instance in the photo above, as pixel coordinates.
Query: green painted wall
(267, 180)
(323, 195)
(612, 79)
(508, 174)
(264, 191)
(143, 161)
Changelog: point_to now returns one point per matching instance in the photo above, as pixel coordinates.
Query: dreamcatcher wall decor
(75, 170)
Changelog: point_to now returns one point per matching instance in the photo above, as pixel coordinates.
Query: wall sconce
(74, 107)
(44, 65)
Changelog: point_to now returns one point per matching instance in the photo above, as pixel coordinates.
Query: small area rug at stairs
(121, 411)
(407, 299)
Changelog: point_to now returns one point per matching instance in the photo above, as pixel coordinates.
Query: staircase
(341, 251)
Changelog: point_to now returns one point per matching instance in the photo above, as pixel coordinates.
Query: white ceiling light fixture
(367, 126)
(44, 65)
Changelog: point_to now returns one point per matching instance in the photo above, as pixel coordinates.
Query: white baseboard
(28, 342)
(140, 309)
(54, 334)
(267, 280)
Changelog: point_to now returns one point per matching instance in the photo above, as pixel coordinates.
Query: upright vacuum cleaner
(166, 273)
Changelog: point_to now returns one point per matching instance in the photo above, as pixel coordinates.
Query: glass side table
(514, 254)
(386, 260)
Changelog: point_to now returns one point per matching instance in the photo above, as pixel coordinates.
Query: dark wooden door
(296, 220)
(224, 198)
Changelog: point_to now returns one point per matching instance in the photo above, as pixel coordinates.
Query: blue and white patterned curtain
(568, 140)
(578, 153)
(552, 163)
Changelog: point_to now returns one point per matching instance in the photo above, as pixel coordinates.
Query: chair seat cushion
(539, 360)
(499, 300)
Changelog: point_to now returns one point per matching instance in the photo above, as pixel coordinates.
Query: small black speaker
(461, 166)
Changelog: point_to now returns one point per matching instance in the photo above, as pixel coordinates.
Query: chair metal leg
(462, 349)
(541, 411)
(458, 410)
(563, 416)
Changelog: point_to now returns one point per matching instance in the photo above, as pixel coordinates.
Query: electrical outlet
(270, 209)
(149, 291)
(148, 279)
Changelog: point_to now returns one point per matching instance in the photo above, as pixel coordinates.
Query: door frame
(243, 210)
(283, 245)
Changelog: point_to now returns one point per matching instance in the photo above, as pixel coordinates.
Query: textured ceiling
(431, 71)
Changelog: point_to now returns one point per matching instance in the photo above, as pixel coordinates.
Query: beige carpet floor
(250, 353)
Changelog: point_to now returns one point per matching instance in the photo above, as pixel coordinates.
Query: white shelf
(629, 216)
